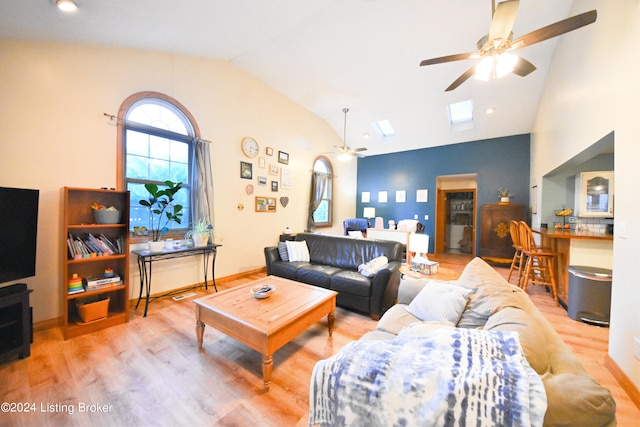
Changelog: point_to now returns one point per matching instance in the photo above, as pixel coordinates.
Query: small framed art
(246, 170)
(274, 185)
(268, 151)
(283, 157)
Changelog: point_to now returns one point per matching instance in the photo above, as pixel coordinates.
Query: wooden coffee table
(267, 324)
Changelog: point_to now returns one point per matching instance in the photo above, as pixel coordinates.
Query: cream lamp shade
(369, 212)
(419, 243)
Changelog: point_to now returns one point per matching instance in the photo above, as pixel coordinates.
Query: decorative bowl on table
(262, 291)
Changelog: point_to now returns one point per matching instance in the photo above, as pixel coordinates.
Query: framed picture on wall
(283, 157)
(274, 185)
(265, 204)
(246, 170)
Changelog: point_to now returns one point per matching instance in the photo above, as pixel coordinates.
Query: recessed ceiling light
(490, 110)
(67, 5)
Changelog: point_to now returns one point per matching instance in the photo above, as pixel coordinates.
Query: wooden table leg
(267, 368)
(199, 332)
(330, 319)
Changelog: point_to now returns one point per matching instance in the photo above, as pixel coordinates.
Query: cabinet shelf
(96, 258)
(96, 292)
(78, 220)
(85, 226)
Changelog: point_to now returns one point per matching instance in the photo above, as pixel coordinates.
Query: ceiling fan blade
(356, 150)
(463, 78)
(503, 20)
(556, 29)
(448, 58)
(523, 67)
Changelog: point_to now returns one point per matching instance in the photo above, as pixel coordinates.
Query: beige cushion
(440, 301)
(577, 401)
(531, 335)
(491, 293)
(396, 318)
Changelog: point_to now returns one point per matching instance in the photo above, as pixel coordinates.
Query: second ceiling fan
(494, 49)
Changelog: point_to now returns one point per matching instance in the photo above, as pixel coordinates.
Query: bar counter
(585, 247)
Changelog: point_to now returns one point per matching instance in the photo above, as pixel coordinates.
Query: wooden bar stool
(518, 262)
(539, 265)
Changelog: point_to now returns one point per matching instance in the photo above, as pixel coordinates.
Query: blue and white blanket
(449, 377)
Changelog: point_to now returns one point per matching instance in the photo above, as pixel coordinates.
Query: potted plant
(200, 232)
(504, 195)
(162, 206)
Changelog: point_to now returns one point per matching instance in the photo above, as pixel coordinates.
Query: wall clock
(250, 147)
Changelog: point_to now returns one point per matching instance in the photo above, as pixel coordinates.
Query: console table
(146, 259)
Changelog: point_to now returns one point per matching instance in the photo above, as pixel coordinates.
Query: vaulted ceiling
(329, 54)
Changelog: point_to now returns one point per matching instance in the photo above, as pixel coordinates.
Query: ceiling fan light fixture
(67, 5)
(484, 69)
(344, 157)
(505, 63)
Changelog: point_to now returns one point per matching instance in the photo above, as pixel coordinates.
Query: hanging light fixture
(495, 66)
(67, 5)
(345, 156)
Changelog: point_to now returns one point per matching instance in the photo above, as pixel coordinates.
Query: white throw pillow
(355, 233)
(369, 269)
(298, 251)
(440, 302)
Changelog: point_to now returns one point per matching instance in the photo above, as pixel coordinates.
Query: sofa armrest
(384, 289)
(409, 289)
(271, 255)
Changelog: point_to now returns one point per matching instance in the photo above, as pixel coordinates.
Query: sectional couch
(333, 264)
(489, 303)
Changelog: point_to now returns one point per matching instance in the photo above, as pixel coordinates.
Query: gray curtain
(318, 185)
(202, 181)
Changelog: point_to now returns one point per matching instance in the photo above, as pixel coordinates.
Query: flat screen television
(18, 232)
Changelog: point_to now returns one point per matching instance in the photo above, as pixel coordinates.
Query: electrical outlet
(415, 216)
(636, 347)
(572, 219)
(426, 217)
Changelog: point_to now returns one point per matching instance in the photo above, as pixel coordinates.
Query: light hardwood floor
(149, 371)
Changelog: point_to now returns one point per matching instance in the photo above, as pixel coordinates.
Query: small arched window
(157, 137)
(323, 216)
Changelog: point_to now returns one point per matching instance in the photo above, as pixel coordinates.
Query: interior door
(443, 219)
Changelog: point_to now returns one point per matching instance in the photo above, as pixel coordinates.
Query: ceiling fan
(495, 48)
(344, 151)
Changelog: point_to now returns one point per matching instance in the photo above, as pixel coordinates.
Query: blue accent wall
(497, 163)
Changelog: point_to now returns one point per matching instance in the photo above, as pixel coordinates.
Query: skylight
(461, 112)
(385, 128)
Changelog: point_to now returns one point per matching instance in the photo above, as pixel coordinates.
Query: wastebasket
(590, 294)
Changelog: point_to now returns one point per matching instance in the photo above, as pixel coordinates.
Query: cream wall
(54, 134)
(592, 89)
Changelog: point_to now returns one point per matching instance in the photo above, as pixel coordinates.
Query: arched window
(156, 143)
(323, 215)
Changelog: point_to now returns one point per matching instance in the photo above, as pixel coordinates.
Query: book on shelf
(90, 244)
(101, 281)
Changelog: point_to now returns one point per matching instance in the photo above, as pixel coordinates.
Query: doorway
(455, 215)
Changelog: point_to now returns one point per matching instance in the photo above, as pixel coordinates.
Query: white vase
(156, 246)
(200, 239)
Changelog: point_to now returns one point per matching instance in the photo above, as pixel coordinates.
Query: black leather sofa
(333, 264)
